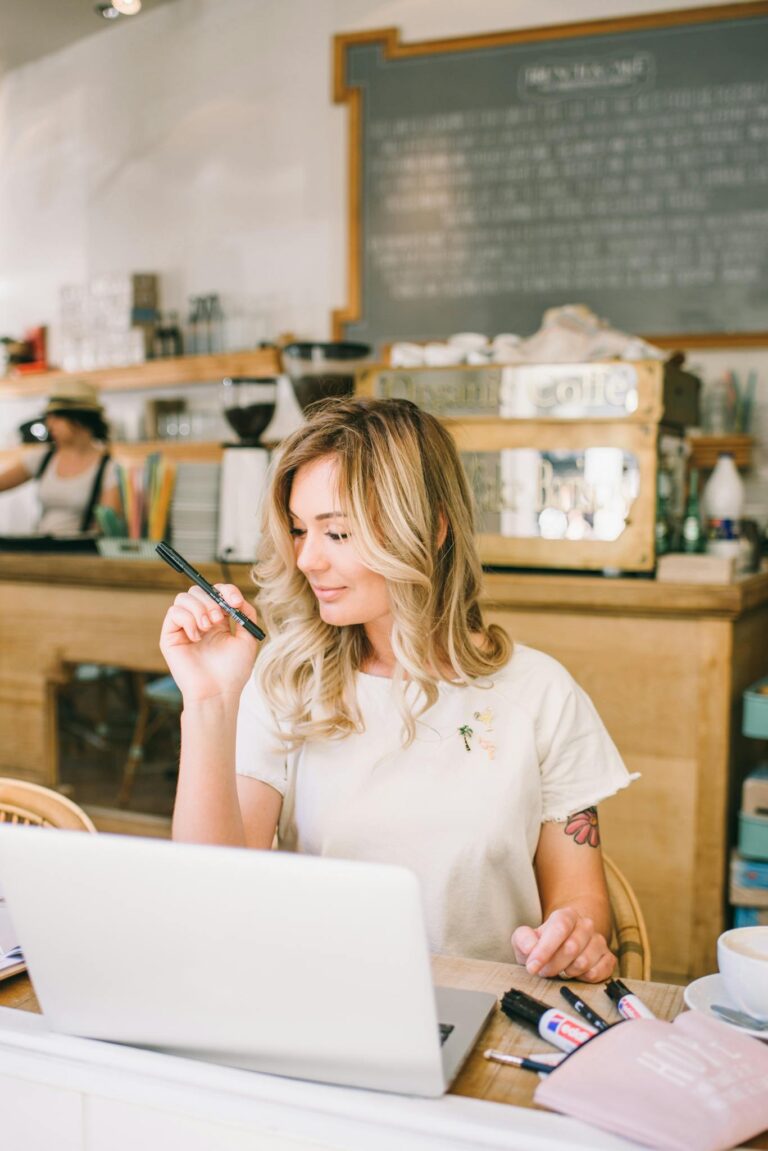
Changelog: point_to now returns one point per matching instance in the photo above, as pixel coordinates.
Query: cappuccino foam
(741, 947)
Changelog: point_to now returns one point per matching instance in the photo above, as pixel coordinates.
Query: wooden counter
(664, 663)
(61, 610)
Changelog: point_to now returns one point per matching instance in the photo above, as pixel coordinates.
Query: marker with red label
(627, 1003)
(558, 1028)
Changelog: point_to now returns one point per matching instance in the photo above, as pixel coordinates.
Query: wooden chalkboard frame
(394, 49)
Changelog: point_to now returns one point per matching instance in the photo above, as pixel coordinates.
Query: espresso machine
(248, 404)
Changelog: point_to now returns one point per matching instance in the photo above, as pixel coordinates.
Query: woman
(384, 720)
(76, 472)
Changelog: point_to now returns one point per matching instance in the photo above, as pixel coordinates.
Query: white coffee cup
(742, 956)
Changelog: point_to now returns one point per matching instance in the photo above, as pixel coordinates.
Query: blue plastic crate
(749, 872)
(749, 882)
(755, 718)
(753, 836)
(750, 917)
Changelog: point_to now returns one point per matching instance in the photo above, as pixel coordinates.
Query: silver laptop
(311, 968)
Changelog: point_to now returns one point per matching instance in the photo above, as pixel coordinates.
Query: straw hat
(73, 396)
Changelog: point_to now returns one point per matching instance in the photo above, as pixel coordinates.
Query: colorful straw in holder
(145, 493)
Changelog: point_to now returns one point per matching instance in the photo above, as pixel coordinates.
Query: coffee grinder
(249, 405)
(319, 370)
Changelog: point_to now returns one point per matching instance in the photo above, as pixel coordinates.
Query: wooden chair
(35, 806)
(629, 943)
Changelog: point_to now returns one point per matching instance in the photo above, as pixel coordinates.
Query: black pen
(628, 1004)
(519, 1061)
(174, 560)
(584, 1010)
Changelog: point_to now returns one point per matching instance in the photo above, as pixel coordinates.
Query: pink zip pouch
(695, 1082)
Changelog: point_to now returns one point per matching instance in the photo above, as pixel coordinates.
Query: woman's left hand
(566, 944)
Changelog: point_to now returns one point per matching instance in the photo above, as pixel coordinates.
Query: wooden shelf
(706, 449)
(154, 373)
(192, 451)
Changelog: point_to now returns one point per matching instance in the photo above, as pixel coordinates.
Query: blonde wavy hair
(409, 509)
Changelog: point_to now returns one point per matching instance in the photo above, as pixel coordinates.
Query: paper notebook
(695, 1083)
(11, 960)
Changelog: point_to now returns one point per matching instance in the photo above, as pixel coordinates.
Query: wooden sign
(611, 390)
(569, 484)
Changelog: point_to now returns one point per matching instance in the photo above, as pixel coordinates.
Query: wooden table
(481, 1079)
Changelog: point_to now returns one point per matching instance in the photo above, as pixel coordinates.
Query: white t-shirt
(63, 499)
(462, 807)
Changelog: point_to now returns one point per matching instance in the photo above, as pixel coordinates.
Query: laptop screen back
(312, 968)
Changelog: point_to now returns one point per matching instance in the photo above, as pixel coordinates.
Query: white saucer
(702, 993)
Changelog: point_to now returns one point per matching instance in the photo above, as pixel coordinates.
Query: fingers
(194, 614)
(568, 945)
(185, 623)
(586, 959)
(524, 939)
(603, 969)
(562, 937)
(231, 594)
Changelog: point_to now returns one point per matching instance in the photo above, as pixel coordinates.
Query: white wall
(200, 141)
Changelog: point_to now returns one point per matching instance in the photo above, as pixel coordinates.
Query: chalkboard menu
(619, 164)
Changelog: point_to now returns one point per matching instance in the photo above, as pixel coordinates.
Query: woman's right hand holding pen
(210, 661)
(206, 656)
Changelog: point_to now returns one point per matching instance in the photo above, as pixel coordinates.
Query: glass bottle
(693, 532)
(158, 338)
(663, 532)
(193, 327)
(717, 414)
(174, 345)
(215, 317)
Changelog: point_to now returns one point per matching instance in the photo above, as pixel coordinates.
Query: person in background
(384, 720)
(75, 473)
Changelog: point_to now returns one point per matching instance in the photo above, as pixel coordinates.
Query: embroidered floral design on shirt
(466, 733)
(486, 719)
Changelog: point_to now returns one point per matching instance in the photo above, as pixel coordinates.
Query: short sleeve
(257, 750)
(579, 762)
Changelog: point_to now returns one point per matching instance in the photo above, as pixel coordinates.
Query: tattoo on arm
(584, 828)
